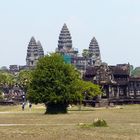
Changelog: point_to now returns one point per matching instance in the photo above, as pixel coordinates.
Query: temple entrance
(105, 89)
(122, 91)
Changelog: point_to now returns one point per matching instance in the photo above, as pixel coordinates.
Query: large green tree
(56, 84)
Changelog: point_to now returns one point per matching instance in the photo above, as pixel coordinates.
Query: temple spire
(32, 41)
(32, 53)
(94, 52)
(65, 42)
(93, 43)
(40, 49)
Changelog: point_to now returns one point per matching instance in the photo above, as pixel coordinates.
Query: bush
(99, 123)
(85, 125)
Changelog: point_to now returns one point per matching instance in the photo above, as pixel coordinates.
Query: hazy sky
(114, 23)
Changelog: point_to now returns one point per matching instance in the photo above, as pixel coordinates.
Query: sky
(114, 23)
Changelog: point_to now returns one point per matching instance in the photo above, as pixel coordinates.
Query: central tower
(65, 43)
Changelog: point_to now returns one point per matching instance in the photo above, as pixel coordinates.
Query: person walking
(23, 106)
(30, 105)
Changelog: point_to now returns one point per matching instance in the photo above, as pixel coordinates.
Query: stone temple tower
(40, 49)
(65, 42)
(34, 52)
(94, 52)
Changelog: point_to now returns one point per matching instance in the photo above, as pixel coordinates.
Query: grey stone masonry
(40, 49)
(94, 52)
(34, 52)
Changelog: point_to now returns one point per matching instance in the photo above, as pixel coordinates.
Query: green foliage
(24, 78)
(136, 72)
(88, 89)
(3, 78)
(55, 82)
(1, 95)
(7, 78)
(52, 80)
(85, 125)
(99, 123)
(85, 53)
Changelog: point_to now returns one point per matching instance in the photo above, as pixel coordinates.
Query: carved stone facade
(116, 82)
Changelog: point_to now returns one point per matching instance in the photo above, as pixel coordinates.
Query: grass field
(123, 124)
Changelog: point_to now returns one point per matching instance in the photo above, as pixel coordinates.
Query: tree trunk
(56, 108)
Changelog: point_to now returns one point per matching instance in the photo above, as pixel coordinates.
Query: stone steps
(103, 103)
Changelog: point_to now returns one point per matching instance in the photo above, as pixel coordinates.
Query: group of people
(23, 105)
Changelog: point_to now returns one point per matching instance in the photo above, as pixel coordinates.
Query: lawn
(123, 123)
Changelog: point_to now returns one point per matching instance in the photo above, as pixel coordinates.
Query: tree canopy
(7, 79)
(24, 79)
(85, 53)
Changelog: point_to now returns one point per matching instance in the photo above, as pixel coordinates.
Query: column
(118, 91)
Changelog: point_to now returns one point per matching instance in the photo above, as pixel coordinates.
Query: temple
(70, 54)
(116, 82)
